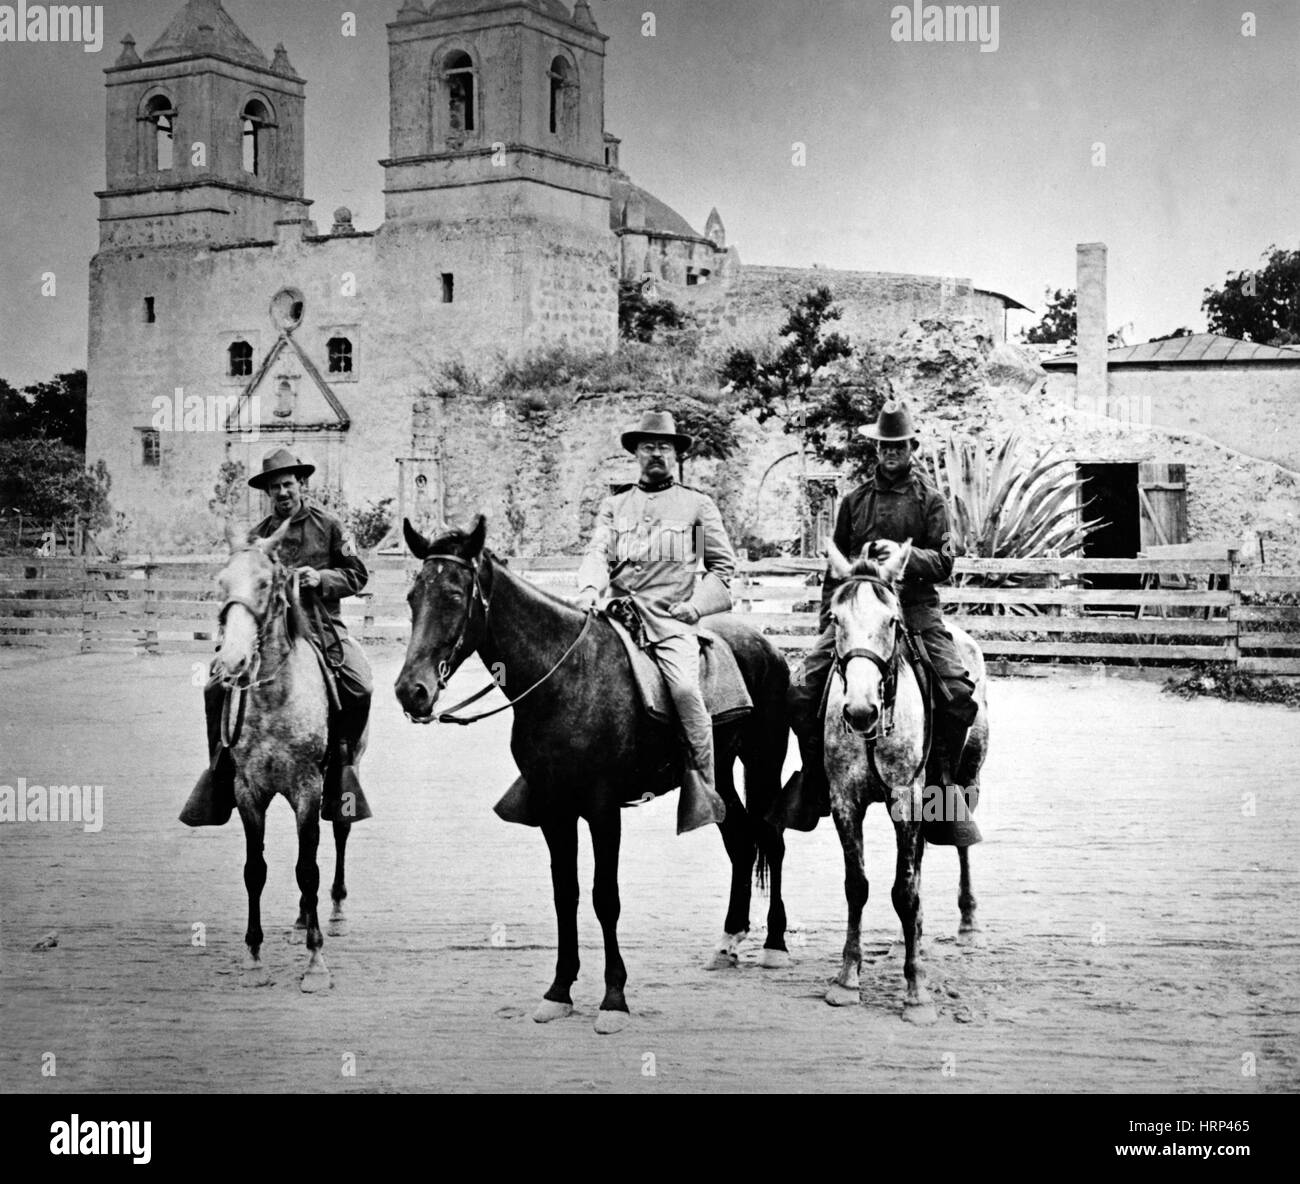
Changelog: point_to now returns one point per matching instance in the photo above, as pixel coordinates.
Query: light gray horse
(281, 743)
(876, 751)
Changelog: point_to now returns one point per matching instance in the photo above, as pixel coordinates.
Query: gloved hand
(686, 613)
(587, 599)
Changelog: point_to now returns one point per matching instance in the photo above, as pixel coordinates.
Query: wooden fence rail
(1044, 609)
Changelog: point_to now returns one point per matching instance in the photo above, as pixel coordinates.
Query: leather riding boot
(698, 804)
(806, 797)
(521, 804)
(212, 800)
(344, 800)
(954, 827)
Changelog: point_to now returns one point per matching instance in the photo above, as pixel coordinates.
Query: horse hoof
(338, 927)
(548, 1010)
(971, 937)
(920, 1013)
(774, 959)
(317, 976)
(841, 996)
(254, 976)
(297, 935)
(721, 960)
(609, 1022)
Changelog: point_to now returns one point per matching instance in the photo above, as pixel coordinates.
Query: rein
(888, 669)
(445, 667)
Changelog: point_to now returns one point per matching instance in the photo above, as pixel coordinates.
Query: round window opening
(287, 309)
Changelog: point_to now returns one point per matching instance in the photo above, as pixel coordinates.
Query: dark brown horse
(583, 743)
(281, 743)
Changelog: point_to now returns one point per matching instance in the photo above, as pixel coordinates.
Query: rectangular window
(150, 449)
(149, 315)
(448, 287)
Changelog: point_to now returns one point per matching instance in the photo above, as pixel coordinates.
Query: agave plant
(1010, 505)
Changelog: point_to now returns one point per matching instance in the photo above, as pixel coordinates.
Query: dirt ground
(1138, 889)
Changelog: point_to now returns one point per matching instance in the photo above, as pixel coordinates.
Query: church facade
(224, 321)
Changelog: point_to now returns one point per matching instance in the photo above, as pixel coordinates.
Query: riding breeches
(808, 683)
(679, 660)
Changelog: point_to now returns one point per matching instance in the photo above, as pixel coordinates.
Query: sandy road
(1142, 928)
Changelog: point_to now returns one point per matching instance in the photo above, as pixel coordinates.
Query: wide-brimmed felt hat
(893, 425)
(657, 425)
(277, 461)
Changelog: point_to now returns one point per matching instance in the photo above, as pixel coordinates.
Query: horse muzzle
(863, 724)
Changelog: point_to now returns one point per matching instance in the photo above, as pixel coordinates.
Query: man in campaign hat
(895, 505)
(647, 545)
(328, 568)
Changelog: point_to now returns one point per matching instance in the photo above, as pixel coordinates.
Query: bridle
(447, 665)
(276, 605)
(888, 669)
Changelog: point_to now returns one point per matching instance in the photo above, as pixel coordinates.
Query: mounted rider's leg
(955, 712)
(212, 800)
(698, 803)
(344, 800)
(806, 797)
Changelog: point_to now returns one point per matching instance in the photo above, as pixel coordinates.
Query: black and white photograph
(573, 547)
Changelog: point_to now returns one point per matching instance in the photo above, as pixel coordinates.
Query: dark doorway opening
(1110, 496)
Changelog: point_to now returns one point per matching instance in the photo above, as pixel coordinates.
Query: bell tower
(205, 137)
(497, 101)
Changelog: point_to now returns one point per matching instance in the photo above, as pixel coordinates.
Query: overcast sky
(921, 157)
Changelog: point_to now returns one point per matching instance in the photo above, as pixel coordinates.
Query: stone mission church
(507, 225)
(223, 322)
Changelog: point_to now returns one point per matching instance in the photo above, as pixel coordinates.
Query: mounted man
(327, 567)
(896, 505)
(647, 545)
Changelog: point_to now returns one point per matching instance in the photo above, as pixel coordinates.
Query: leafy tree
(47, 480)
(55, 409)
(1060, 322)
(711, 424)
(781, 387)
(639, 318)
(840, 409)
(1262, 305)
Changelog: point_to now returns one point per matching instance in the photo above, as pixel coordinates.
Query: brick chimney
(1091, 387)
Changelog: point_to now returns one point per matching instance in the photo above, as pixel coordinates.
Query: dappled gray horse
(276, 725)
(877, 750)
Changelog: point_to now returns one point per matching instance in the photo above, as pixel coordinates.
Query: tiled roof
(1198, 349)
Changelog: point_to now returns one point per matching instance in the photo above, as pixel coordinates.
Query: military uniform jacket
(316, 539)
(648, 546)
(906, 508)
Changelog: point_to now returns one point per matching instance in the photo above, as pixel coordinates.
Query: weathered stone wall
(875, 304)
(557, 286)
(1249, 408)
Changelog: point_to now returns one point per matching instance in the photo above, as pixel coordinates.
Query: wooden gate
(1162, 502)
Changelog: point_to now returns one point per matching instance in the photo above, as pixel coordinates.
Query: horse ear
(893, 570)
(841, 568)
(269, 545)
(418, 544)
(235, 538)
(477, 537)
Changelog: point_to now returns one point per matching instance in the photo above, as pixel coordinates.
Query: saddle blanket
(725, 695)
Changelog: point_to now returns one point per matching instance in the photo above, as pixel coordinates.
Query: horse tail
(763, 753)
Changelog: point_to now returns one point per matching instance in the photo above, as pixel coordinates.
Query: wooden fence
(1042, 609)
